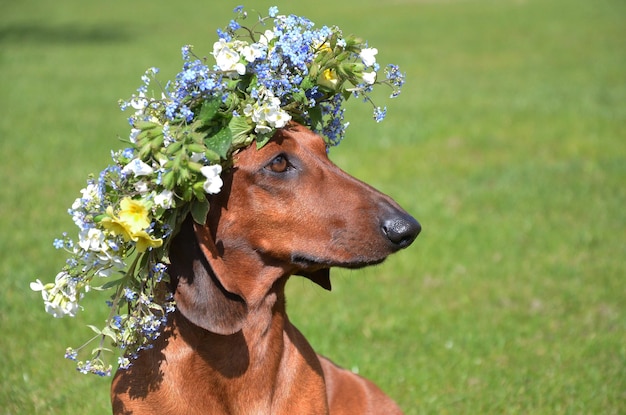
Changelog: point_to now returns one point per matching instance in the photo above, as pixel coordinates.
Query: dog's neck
(248, 367)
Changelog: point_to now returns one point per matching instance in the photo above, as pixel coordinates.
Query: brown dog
(229, 348)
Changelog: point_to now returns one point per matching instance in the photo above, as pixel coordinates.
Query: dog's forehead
(294, 140)
(299, 138)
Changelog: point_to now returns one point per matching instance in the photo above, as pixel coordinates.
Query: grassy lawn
(508, 144)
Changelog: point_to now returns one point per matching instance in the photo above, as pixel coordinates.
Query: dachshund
(229, 347)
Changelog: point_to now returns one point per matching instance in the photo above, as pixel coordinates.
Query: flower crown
(263, 77)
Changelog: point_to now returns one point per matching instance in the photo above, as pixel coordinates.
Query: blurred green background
(508, 144)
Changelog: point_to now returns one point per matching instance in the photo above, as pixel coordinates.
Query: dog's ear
(320, 277)
(199, 294)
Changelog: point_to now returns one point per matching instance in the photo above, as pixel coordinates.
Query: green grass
(508, 144)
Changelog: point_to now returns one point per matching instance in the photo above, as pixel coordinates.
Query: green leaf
(220, 142)
(101, 349)
(186, 193)
(98, 218)
(307, 83)
(169, 180)
(95, 329)
(107, 331)
(315, 114)
(212, 156)
(108, 285)
(199, 210)
(196, 148)
(300, 97)
(174, 148)
(193, 166)
(145, 125)
(209, 110)
(262, 139)
(198, 191)
(240, 130)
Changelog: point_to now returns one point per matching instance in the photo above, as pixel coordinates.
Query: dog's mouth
(309, 263)
(318, 269)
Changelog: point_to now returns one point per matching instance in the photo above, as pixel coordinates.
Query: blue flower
(395, 78)
(128, 153)
(117, 321)
(273, 11)
(234, 25)
(124, 362)
(129, 294)
(71, 354)
(380, 113)
(224, 35)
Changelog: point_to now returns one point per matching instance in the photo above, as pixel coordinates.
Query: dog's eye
(279, 164)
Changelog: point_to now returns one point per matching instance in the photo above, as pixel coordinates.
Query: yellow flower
(144, 241)
(325, 47)
(131, 223)
(115, 225)
(328, 79)
(134, 214)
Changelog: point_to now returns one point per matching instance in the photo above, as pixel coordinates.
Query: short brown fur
(229, 348)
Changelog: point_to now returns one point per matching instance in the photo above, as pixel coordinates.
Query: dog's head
(285, 209)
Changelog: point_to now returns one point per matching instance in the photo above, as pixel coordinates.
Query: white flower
(252, 52)
(134, 132)
(138, 168)
(277, 118)
(369, 77)
(39, 286)
(248, 110)
(262, 129)
(90, 192)
(92, 240)
(141, 187)
(368, 56)
(165, 199)
(60, 298)
(213, 183)
(269, 112)
(227, 59)
(266, 37)
(108, 264)
(139, 102)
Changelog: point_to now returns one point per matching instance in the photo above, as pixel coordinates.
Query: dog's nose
(401, 229)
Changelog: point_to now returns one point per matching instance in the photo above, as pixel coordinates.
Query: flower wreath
(262, 78)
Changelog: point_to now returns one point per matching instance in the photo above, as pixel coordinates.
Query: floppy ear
(199, 294)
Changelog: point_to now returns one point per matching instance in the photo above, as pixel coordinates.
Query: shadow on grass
(72, 33)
